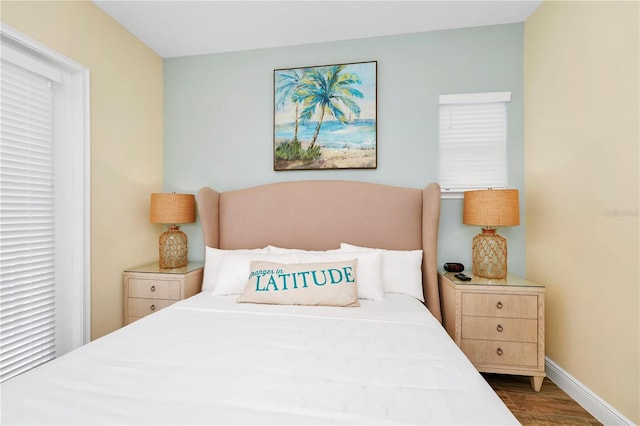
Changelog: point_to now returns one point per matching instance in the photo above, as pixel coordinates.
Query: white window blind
(27, 211)
(473, 141)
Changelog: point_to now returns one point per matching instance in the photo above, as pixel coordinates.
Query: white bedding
(208, 360)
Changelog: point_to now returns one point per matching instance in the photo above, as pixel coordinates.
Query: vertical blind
(473, 141)
(27, 208)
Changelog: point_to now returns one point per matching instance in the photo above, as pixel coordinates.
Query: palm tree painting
(325, 117)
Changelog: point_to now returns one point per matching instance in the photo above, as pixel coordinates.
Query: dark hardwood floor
(550, 406)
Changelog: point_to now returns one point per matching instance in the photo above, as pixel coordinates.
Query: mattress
(209, 360)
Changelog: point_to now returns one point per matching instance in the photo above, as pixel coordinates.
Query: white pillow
(369, 272)
(235, 268)
(280, 250)
(401, 270)
(213, 259)
(370, 277)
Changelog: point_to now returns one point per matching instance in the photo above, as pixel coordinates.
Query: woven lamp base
(489, 255)
(173, 248)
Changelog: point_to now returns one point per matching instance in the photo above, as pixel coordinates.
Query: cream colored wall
(582, 187)
(126, 137)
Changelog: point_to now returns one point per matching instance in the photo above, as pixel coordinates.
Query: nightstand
(498, 324)
(148, 289)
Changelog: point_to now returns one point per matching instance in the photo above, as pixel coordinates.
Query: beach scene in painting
(325, 117)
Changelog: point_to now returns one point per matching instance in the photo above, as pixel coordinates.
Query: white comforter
(208, 360)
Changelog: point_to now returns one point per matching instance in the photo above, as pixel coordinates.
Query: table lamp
(490, 208)
(172, 209)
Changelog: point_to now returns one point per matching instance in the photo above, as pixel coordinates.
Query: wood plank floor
(550, 406)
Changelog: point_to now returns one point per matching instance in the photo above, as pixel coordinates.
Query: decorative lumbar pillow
(315, 284)
(213, 260)
(370, 262)
(401, 270)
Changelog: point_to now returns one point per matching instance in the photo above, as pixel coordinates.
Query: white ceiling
(182, 28)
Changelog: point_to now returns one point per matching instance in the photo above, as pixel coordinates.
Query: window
(473, 142)
(43, 188)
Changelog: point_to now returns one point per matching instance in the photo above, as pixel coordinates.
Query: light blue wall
(219, 117)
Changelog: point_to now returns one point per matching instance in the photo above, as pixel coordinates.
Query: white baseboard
(591, 402)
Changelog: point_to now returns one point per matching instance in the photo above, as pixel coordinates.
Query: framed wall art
(325, 117)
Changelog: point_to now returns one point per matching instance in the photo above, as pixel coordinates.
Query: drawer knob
(499, 328)
(499, 351)
(499, 305)
(152, 307)
(153, 288)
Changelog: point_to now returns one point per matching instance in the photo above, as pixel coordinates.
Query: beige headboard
(319, 215)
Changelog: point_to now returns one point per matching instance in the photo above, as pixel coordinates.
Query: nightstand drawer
(154, 288)
(500, 305)
(503, 353)
(503, 329)
(142, 307)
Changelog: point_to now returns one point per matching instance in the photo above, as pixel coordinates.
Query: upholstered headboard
(319, 215)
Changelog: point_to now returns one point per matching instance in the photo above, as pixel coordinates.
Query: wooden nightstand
(498, 324)
(148, 288)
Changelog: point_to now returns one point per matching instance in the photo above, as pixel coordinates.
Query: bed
(361, 344)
